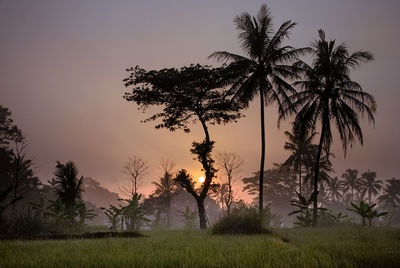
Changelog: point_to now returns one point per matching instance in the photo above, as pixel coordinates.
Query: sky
(62, 64)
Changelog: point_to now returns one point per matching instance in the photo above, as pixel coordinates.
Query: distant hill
(98, 195)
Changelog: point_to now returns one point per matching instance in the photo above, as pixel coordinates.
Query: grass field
(344, 247)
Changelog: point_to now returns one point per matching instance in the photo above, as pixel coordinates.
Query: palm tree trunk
(261, 188)
(315, 193)
(352, 194)
(300, 178)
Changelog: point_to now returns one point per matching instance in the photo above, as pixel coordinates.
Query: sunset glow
(201, 179)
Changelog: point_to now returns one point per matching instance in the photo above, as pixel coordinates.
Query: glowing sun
(201, 179)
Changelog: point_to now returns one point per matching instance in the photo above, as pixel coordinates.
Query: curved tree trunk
(315, 192)
(229, 201)
(261, 188)
(207, 168)
(202, 213)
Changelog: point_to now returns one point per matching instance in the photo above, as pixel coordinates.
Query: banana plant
(304, 219)
(114, 216)
(366, 212)
(84, 213)
(189, 218)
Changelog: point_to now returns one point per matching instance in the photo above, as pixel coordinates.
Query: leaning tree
(187, 95)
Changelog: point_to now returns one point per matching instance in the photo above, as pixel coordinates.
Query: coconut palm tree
(165, 188)
(302, 152)
(391, 194)
(351, 181)
(369, 185)
(264, 70)
(329, 95)
(67, 184)
(335, 188)
(325, 169)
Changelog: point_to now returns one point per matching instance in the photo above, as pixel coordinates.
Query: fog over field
(62, 65)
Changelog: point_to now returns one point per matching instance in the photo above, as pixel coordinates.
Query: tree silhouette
(366, 212)
(304, 219)
(84, 212)
(17, 172)
(369, 185)
(335, 188)
(22, 170)
(351, 181)
(391, 194)
(68, 186)
(133, 213)
(113, 216)
(263, 71)
(324, 171)
(9, 132)
(328, 94)
(301, 149)
(165, 187)
(135, 168)
(191, 94)
(189, 217)
(229, 164)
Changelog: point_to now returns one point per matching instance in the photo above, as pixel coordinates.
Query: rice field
(325, 247)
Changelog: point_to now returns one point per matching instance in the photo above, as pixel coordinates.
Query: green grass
(344, 247)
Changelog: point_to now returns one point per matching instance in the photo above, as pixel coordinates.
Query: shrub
(29, 226)
(244, 221)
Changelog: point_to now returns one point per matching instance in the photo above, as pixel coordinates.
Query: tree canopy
(187, 94)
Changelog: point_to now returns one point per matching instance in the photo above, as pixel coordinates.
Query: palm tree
(328, 94)
(391, 194)
(302, 151)
(67, 184)
(264, 69)
(335, 188)
(351, 181)
(165, 188)
(325, 168)
(369, 185)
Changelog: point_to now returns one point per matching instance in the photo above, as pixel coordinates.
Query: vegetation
(326, 247)
(302, 150)
(366, 212)
(165, 188)
(189, 218)
(191, 94)
(242, 234)
(240, 221)
(135, 168)
(229, 165)
(328, 94)
(264, 70)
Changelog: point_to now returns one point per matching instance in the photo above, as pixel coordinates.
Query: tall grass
(350, 247)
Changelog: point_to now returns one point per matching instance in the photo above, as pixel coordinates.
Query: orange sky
(62, 65)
